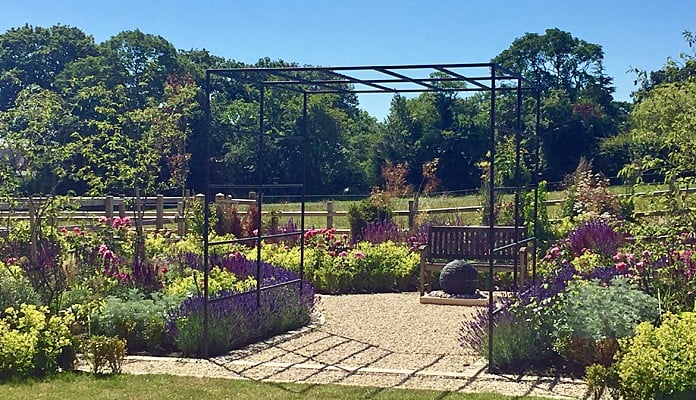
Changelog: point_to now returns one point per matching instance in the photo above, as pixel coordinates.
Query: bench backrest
(471, 242)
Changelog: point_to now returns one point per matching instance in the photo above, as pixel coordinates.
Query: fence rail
(170, 210)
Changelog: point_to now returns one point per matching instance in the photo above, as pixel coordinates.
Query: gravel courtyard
(380, 340)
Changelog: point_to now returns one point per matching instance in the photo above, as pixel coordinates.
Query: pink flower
(77, 230)
(555, 251)
(622, 267)
(640, 266)
(564, 261)
(332, 253)
(11, 260)
(617, 257)
(126, 221)
(108, 255)
(102, 249)
(255, 232)
(547, 257)
(359, 255)
(102, 219)
(116, 223)
(63, 230)
(342, 254)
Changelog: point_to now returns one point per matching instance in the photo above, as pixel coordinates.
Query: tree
(34, 159)
(30, 55)
(662, 136)
(435, 125)
(674, 70)
(33, 138)
(577, 102)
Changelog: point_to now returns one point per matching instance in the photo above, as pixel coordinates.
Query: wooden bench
(470, 243)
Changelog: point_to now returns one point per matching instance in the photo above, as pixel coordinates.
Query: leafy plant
(376, 208)
(141, 321)
(15, 288)
(237, 319)
(515, 341)
(593, 316)
(104, 351)
(597, 236)
(600, 379)
(659, 361)
(33, 342)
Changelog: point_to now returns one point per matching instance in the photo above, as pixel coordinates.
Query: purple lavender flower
(597, 236)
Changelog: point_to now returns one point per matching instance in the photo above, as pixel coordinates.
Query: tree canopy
(126, 113)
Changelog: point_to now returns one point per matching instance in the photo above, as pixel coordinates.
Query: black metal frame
(394, 79)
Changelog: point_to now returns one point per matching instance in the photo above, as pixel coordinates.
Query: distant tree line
(126, 115)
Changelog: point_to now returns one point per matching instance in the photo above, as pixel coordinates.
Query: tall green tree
(35, 55)
(577, 104)
(435, 125)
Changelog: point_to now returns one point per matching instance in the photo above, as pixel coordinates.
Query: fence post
(122, 207)
(159, 221)
(412, 211)
(180, 219)
(329, 214)
(252, 195)
(109, 206)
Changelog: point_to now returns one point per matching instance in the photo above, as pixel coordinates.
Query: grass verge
(77, 386)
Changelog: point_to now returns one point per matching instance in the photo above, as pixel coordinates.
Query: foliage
(229, 221)
(394, 176)
(190, 283)
(15, 288)
(376, 208)
(236, 319)
(333, 267)
(587, 195)
(515, 342)
(661, 131)
(104, 352)
(139, 320)
(593, 316)
(384, 231)
(576, 102)
(33, 342)
(659, 361)
(600, 378)
(596, 236)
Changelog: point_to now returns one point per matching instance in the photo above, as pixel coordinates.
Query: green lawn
(156, 387)
(439, 201)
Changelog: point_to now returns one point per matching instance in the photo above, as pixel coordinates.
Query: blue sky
(636, 33)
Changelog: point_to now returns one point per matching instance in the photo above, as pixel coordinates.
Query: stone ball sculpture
(459, 278)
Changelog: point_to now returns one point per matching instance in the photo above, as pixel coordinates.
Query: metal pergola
(488, 78)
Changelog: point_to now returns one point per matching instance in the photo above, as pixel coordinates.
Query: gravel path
(381, 340)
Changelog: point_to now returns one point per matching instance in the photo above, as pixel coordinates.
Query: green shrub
(383, 267)
(103, 351)
(592, 317)
(34, 343)
(191, 283)
(16, 288)
(139, 320)
(515, 341)
(600, 379)
(659, 361)
(376, 208)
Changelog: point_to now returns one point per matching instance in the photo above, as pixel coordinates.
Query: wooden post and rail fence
(165, 211)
